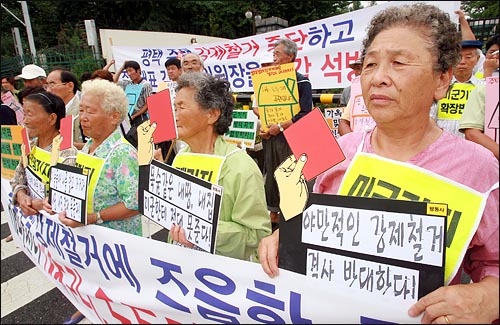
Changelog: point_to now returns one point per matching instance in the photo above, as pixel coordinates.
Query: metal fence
(78, 61)
(484, 28)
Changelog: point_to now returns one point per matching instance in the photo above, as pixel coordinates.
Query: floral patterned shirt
(118, 181)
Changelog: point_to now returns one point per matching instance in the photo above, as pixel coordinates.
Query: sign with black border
(68, 191)
(353, 241)
(170, 196)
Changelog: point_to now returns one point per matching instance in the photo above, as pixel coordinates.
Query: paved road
(28, 296)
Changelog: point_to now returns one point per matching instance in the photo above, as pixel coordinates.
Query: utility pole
(18, 44)
(27, 23)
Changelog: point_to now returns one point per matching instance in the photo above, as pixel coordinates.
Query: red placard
(312, 135)
(66, 132)
(160, 111)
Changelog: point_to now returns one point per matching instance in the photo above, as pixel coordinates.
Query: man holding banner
(276, 148)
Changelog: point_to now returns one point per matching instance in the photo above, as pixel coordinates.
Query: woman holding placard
(408, 58)
(113, 184)
(43, 112)
(203, 112)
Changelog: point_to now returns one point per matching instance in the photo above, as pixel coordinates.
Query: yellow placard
(371, 176)
(452, 106)
(161, 86)
(277, 93)
(11, 149)
(93, 166)
(206, 167)
(39, 164)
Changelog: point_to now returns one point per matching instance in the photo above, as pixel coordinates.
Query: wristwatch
(281, 128)
(98, 219)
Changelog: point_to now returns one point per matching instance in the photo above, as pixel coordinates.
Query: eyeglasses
(52, 85)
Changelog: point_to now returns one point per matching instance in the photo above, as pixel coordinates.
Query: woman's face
(397, 80)
(36, 120)
(191, 119)
(95, 122)
(489, 54)
(7, 85)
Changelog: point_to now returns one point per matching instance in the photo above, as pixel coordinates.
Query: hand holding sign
(56, 144)
(292, 186)
(145, 146)
(24, 156)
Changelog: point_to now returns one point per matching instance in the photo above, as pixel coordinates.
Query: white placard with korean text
(170, 196)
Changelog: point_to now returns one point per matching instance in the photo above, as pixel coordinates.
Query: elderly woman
(408, 58)
(114, 200)
(42, 120)
(203, 112)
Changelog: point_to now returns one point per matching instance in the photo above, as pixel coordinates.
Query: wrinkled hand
(47, 206)
(292, 186)
(69, 222)
(264, 135)
(26, 204)
(145, 145)
(273, 129)
(56, 145)
(158, 155)
(474, 303)
(268, 253)
(490, 64)
(178, 234)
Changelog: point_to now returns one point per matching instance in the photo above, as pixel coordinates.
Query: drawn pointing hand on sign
(145, 145)
(292, 186)
(56, 145)
(24, 156)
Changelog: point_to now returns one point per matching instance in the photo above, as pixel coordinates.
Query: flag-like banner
(326, 47)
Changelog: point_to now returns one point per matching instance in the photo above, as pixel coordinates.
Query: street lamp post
(250, 15)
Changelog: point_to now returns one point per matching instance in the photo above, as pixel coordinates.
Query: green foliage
(481, 9)
(59, 24)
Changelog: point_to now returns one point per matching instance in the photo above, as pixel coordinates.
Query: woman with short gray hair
(203, 112)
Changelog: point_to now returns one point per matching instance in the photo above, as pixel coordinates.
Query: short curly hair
(113, 98)
(211, 93)
(433, 24)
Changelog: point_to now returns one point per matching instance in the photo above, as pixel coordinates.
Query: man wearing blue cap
(448, 110)
(472, 123)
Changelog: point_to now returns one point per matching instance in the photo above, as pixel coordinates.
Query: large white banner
(115, 277)
(326, 48)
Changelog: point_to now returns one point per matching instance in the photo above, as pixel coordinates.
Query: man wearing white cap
(33, 76)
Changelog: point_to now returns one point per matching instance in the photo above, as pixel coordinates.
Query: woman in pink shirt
(408, 58)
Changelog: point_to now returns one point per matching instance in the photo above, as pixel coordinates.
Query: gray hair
(200, 59)
(433, 24)
(290, 47)
(211, 93)
(112, 96)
